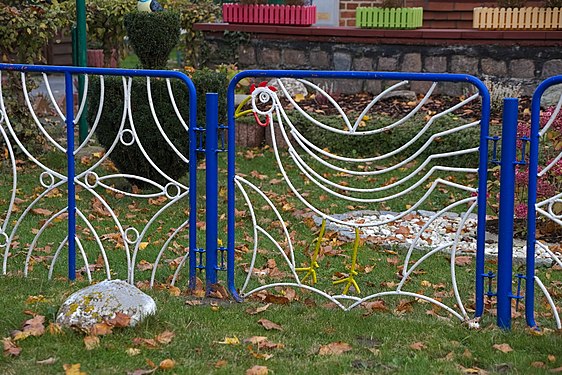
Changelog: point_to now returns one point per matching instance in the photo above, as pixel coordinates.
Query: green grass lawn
(392, 335)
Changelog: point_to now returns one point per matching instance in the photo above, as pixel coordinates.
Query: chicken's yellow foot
(313, 261)
(352, 273)
(311, 271)
(350, 280)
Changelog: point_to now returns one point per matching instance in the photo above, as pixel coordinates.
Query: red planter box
(269, 14)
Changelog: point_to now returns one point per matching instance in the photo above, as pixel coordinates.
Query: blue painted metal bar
(482, 199)
(71, 173)
(311, 74)
(212, 193)
(532, 197)
(69, 71)
(506, 214)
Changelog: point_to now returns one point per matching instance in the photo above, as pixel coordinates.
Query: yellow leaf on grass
(167, 364)
(73, 369)
(299, 98)
(54, 329)
(100, 329)
(132, 352)
(334, 348)
(143, 245)
(257, 370)
(165, 337)
(35, 299)
(229, 341)
(504, 348)
(91, 342)
(417, 346)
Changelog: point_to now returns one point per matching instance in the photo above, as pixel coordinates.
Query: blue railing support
(69, 96)
(534, 141)
(507, 203)
(212, 184)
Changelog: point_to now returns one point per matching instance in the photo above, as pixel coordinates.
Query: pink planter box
(269, 14)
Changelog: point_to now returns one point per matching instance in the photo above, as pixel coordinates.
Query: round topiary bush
(130, 159)
(153, 36)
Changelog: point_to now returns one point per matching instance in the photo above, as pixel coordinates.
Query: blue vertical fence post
(507, 199)
(211, 170)
(482, 200)
(69, 93)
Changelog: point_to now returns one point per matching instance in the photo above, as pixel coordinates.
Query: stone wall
(508, 64)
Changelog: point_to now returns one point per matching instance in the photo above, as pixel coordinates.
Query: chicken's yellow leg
(310, 271)
(350, 280)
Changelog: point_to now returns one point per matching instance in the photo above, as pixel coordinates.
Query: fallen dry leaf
(120, 320)
(255, 339)
(538, 364)
(42, 212)
(257, 370)
(269, 325)
(165, 337)
(35, 299)
(48, 361)
(174, 291)
(149, 343)
(144, 265)
(334, 348)
(54, 329)
(229, 341)
(504, 348)
(221, 363)
(417, 346)
(133, 351)
(10, 347)
(551, 358)
(141, 371)
(257, 310)
(73, 369)
(20, 335)
(101, 329)
(35, 325)
(167, 364)
(91, 342)
(463, 260)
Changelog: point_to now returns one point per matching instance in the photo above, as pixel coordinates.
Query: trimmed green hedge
(388, 141)
(129, 159)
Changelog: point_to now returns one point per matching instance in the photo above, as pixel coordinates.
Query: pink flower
(521, 211)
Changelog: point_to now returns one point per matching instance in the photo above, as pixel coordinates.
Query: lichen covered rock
(100, 302)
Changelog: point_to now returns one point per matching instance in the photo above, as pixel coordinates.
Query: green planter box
(389, 18)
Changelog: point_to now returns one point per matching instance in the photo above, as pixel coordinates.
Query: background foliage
(153, 36)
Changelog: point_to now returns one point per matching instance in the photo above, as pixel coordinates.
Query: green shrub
(209, 81)
(192, 42)
(385, 142)
(553, 3)
(153, 36)
(129, 159)
(25, 29)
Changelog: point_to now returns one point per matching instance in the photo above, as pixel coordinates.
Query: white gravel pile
(403, 232)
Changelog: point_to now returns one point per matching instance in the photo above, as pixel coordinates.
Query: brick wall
(437, 14)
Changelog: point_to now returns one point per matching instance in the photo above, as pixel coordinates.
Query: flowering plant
(549, 180)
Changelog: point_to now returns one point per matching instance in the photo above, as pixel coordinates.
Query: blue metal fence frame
(532, 197)
(68, 72)
(439, 77)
